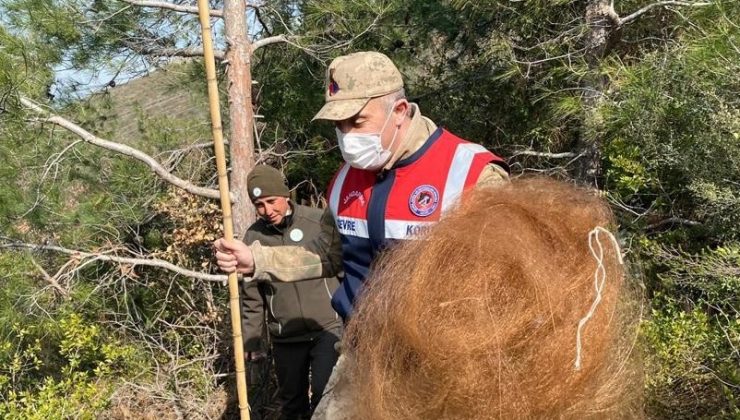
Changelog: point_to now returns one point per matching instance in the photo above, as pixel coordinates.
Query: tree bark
(602, 21)
(241, 116)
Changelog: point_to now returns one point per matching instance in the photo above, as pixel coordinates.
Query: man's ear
(400, 110)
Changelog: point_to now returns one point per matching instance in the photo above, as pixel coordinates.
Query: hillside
(168, 95)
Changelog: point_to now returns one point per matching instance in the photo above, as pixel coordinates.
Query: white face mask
(365, 151)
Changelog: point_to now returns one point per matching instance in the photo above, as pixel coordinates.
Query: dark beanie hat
(266, 181)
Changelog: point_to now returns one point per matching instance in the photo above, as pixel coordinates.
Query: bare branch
(123, 149)
(258, 15)
(52, 162)
(544, 154)
(672, 221)
(151, 262)
(172, 6)
(194, 146)
(629, 18)
(49, 279)
(269, 40)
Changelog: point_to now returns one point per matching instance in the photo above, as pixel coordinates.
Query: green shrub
(66, 371)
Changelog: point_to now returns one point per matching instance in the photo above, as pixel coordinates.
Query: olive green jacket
(300, 310)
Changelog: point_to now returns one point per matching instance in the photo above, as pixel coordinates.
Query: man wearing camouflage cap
(302, 325)
(402, 173)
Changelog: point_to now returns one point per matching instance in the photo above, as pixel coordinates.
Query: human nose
(269, 209)
(343, 126)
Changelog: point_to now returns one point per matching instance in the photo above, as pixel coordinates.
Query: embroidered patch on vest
(424, 200)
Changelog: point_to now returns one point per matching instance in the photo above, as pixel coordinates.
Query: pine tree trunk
(241, 116)
(601, 20)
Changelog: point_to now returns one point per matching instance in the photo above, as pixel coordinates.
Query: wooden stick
(223, 186)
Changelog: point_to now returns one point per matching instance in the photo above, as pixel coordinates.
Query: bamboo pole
(223, 186)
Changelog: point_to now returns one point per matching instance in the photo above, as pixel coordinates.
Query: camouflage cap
(352, 80)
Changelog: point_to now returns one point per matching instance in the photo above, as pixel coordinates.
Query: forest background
(109, 303)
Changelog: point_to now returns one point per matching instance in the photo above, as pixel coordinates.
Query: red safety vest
(372, 209)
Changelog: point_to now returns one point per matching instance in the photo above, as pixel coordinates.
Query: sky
(81, 82)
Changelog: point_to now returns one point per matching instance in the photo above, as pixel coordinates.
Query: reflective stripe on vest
(459, 168)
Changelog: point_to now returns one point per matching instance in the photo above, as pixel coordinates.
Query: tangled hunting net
(479, 319)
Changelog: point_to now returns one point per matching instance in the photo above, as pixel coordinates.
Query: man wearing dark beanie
(265, 181)
(302, 325)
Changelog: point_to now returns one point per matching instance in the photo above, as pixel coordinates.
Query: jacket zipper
(328, 292)
(280, 326)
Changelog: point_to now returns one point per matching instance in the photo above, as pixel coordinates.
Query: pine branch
(151, 262)
(123, 149)
(173, 52)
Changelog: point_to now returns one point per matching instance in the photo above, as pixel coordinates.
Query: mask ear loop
(599, 280)
(395, 133)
